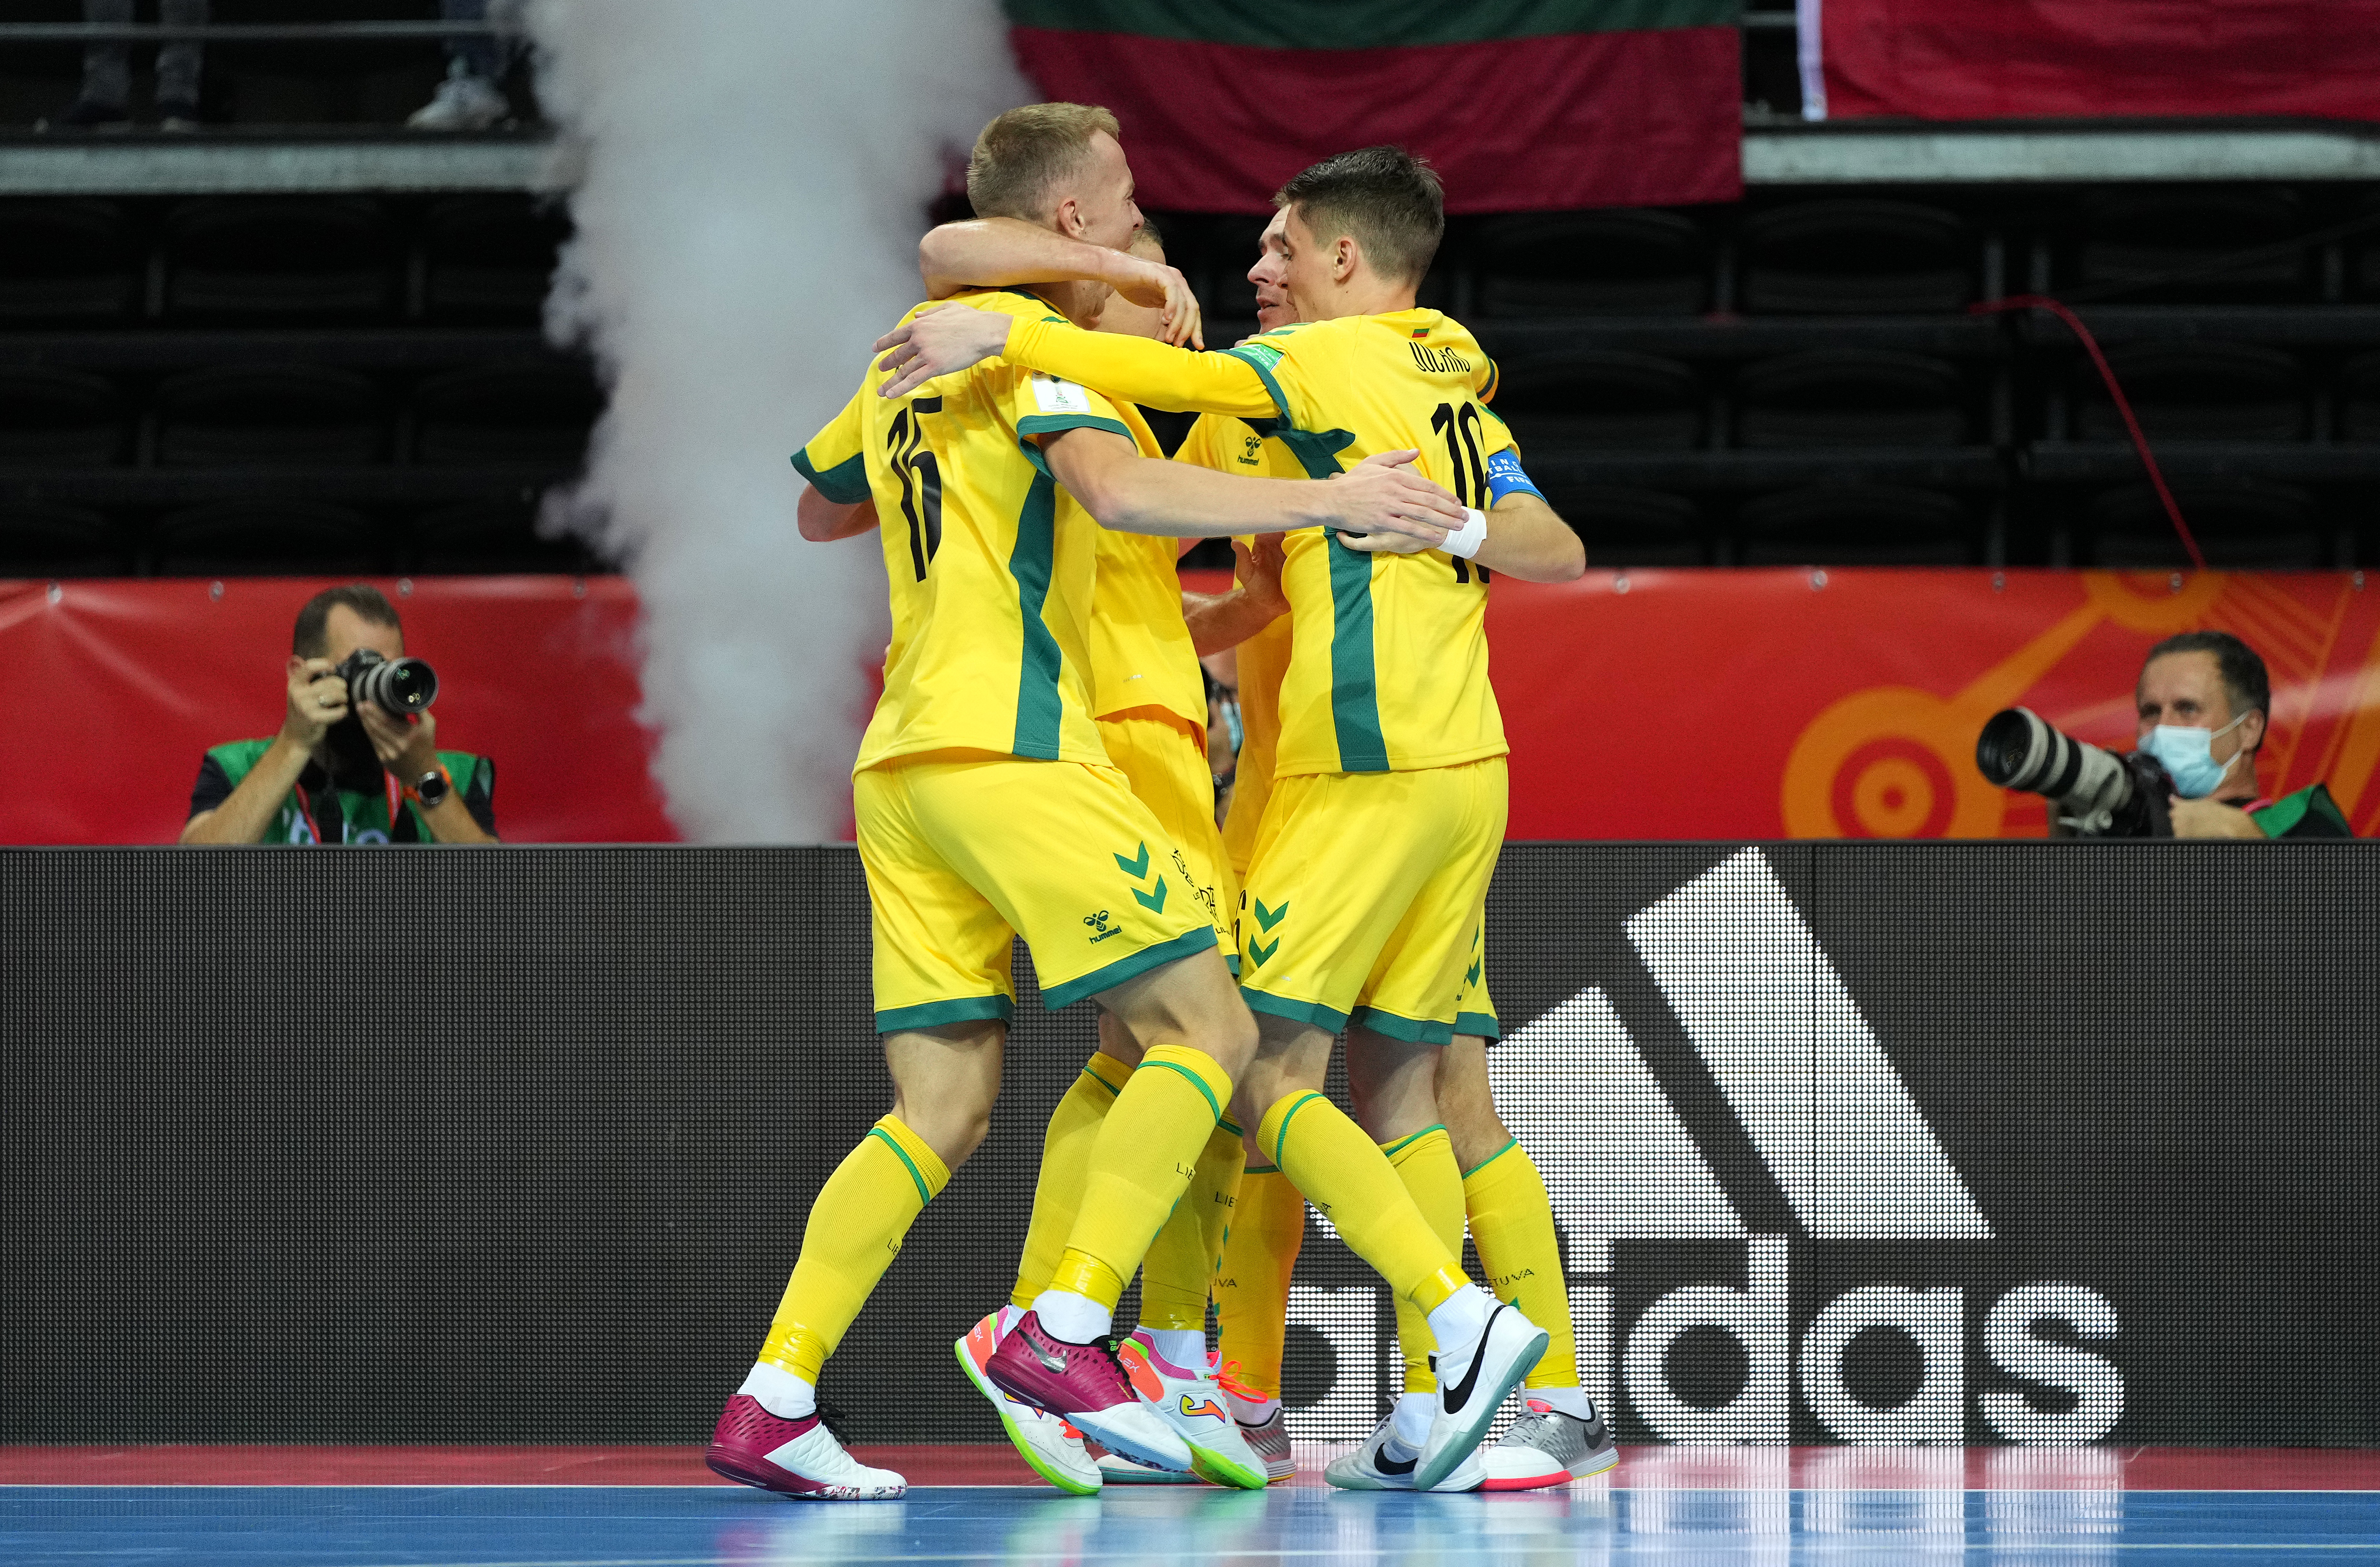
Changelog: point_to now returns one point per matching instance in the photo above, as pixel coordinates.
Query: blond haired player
(1369, 877)
(1146, 635)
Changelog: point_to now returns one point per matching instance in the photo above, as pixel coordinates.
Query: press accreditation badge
(1058, 396)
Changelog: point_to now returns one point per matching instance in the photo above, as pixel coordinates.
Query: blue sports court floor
(1670, 1508)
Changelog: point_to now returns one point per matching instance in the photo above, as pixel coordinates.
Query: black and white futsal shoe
(1472, 1381)
(1384, 1463)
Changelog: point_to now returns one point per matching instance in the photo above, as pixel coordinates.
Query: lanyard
(314, 825)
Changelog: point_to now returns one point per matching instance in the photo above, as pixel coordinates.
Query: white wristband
(1465, 540)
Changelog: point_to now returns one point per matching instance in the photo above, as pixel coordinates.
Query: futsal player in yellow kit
(1562, 1435)
(987, 807)
(1146, 635)
(1370, 872)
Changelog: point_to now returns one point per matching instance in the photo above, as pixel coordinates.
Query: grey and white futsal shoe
(1269, 1440)
(1472, 1381)
(1384, 1463)
(1545, 1446)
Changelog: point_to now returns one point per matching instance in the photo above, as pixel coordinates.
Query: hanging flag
(1519, 105)
(1993, 59)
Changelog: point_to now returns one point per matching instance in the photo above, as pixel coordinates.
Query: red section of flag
(1610, 119)
(1988, 59)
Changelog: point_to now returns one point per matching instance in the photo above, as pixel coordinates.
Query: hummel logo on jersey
(1100, 928)
(1251, 451)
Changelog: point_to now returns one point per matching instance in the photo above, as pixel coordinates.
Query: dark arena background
(1948, 1161)
(1863, 1143)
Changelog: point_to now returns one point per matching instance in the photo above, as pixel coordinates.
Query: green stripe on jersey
(1354, 685)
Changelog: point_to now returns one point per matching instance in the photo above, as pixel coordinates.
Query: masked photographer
(346, 768)
(2203, 701)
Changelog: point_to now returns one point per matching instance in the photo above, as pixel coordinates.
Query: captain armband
(1505, 476)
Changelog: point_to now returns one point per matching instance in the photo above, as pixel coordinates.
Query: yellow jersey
(1231, 446)
(1141, 651)
(991, 565)
(1389, 666)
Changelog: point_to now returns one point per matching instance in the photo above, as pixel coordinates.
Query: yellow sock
(1065, 1156)
(1179, 1268)
(1512, 1225)
(1252, 1287)
(854, 1233)
(1147, 1150)
(1344, 1174)
(1425, 1162)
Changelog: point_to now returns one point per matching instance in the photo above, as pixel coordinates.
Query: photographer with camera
(355, 760)
(2203, 701)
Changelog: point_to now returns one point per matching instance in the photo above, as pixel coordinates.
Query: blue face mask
(2189, 759)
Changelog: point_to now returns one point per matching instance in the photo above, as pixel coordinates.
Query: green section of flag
(1367, 24)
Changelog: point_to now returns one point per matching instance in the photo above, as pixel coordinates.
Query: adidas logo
(1863, 1174)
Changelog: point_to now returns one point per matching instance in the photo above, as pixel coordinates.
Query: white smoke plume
(755, 178)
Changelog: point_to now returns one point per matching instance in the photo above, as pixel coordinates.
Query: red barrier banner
(1641, 704)
(1990, 59)
(115, 690)
(1817, 704)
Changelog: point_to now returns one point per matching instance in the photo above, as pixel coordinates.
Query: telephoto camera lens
(2095, 792)
(398, 687)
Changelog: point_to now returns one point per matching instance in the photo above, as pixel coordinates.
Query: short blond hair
(1025, 153)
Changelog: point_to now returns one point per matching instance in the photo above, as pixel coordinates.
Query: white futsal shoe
(1473, 1380)
(1384, 1463)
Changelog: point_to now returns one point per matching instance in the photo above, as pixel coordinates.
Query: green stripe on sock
(1491, 1159)
(1393, 1149)
(924, 1196)
(1198, 1082)
(1303, 1099)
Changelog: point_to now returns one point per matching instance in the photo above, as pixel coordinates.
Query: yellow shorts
(1167, 769)
(1365, 902)
(963, 852)
(1474, 1010)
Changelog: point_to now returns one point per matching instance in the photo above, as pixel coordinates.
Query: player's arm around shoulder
(1136, 494)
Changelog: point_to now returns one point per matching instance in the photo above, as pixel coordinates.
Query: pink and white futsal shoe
(1086, 1386)
(1053, 1448)
(799, 1458)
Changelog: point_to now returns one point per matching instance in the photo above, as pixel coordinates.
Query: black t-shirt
(215, 787)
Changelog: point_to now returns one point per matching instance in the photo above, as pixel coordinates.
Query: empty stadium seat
(1856, 524)
(2184, 391)
(59, 417)
(230, 414)
(521, 411)
(489, 536)
(297, 261)
(265, 539)
(2359, 398)
(1850, 397)
(67, 264)
(1639, 527)
(2239, 525)
(1602, 398)
(1589, 263)
(39, 539)
(2135, 244)
(489, 259)
(1840, 257)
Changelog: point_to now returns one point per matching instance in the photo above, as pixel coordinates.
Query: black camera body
(399, 687)
(2097, 794)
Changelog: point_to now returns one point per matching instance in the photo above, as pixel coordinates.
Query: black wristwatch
(429, 791)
